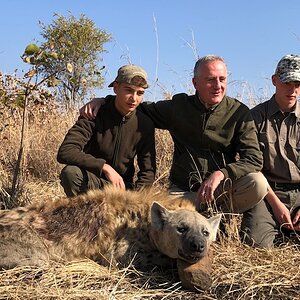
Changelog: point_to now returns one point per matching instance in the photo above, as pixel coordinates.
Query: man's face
(286, 93)
(128, 97)
(211, 82)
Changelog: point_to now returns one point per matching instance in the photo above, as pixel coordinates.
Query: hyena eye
(205, 232)
(182, 229)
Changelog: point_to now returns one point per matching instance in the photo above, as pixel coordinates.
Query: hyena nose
(197, 245)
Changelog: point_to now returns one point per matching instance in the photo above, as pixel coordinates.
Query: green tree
(74, 48)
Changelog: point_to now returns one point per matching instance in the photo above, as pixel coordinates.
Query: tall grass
(46, 131)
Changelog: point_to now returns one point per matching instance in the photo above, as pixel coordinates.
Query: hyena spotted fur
(145, 227)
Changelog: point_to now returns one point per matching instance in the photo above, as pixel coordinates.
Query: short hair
(203, 60)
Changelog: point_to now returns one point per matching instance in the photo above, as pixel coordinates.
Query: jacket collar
(116, 113)
(201, 103)
(274, 108)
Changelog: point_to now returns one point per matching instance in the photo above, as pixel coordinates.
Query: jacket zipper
(117, 145)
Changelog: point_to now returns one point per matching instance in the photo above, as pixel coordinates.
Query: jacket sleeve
(258, 114)
(146, 158)
(71, 150)
(250, 157)
(160, 113)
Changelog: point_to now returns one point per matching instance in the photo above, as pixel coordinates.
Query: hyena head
(182, 234)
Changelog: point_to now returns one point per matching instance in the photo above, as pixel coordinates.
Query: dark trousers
(259, 226)
(76, 181)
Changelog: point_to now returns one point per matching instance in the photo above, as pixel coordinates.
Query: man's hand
(296, 220)
(206, 191)
(282, 215)
(90, 109)
(280, 211)
(113, 177)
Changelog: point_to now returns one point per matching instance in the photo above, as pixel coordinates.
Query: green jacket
(113, 139)
(224, 138)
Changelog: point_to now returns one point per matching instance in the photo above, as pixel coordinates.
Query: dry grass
(239, 271)
(248, 273)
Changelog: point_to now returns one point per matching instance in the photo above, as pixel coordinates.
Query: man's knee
(249, 191)
(70, 174)
(256, 237)
(258, 226)
(71, 179)
(260, 185)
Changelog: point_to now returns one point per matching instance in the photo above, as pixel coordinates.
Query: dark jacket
(113, 139)
(207, 140)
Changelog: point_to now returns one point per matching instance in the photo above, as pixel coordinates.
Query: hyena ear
(214, 223)
(159, 216)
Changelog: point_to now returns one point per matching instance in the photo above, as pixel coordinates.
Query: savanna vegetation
(33, 122)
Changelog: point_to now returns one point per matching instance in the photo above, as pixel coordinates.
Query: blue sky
(157, 34)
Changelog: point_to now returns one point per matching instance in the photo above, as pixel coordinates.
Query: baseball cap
(288, 68)
(127, 73)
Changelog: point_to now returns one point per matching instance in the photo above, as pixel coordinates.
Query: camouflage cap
(127, 73)
(288, 68)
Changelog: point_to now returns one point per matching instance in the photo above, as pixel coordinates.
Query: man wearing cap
(278, 125)
(102, 150)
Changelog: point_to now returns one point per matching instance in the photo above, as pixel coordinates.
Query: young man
(102, 151)
(278, 124)
(210, 130)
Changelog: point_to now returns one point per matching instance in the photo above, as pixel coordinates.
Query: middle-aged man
(216, 157)
(278, 124)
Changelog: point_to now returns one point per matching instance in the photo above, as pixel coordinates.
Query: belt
(284, 186)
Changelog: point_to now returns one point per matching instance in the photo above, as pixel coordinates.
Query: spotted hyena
(145, 228)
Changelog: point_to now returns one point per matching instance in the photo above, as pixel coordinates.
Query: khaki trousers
(232, 197)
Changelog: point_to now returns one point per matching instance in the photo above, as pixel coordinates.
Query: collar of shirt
(207, 109)
(274, 108)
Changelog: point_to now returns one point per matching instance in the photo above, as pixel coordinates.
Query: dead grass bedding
(239, 272)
